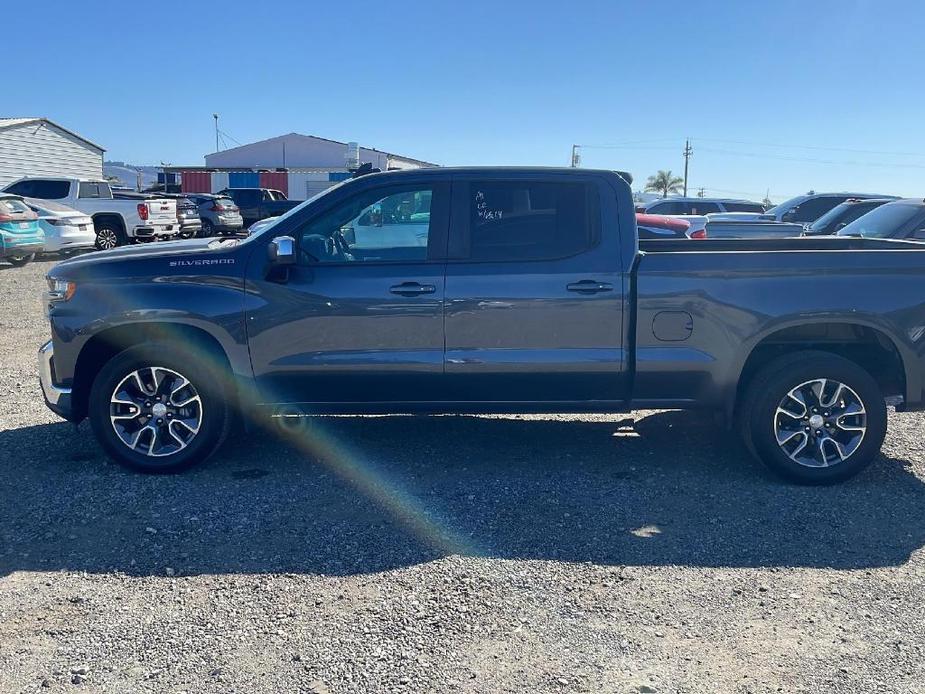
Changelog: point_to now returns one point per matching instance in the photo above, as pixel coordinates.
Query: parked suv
(187, 216)
(259, 203)
(842, 215)
(700, 206)
(219, 214)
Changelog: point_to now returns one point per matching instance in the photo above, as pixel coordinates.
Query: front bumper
(57, 398)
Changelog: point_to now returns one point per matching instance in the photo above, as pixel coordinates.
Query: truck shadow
(350, 496)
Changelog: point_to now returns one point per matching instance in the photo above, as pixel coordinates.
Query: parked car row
(813, 214)
(79, 214)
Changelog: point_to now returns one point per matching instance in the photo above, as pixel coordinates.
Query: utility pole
(215, 116)
(576, 156)
(687, 156)
(701, 193)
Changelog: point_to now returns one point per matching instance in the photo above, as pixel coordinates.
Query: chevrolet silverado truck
(487, 290)
(117, 222)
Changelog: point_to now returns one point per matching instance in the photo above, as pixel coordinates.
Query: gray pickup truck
(487, 290)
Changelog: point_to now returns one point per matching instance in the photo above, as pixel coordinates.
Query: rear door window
(813, 209)
(702, 207)
(743, 207)
(527, 220)
(45, 190)
(666, 207)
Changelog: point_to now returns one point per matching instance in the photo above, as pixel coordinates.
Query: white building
(295, 151)
(40, 147)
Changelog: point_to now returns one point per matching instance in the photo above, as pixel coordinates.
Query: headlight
(60, 290)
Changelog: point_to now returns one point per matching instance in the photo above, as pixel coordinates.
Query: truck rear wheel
(155, 409)
(814, 417)
(108, 236)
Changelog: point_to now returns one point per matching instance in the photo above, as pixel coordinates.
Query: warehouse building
(40, 147)
(295, 151)
(298, 165)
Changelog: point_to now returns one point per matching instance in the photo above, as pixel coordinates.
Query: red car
(657, 226)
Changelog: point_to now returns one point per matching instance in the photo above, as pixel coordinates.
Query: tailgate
(162, 211)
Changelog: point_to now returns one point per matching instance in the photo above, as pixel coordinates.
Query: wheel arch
(102, 217)
(104, 345)
(863, 342)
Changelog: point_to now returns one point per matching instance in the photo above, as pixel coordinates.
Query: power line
(813, 147)
(810, 160)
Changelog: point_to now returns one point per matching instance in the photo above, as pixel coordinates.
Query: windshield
(883, 222)
(295, 210)
(829, 217)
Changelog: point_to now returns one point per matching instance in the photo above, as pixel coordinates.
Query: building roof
(325, 139)
(12, 122)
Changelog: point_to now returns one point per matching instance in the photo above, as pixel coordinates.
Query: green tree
(663, 182)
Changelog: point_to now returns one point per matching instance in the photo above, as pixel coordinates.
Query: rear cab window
(94, 189)
(521, 220)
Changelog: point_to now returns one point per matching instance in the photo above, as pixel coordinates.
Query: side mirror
(787, 216)
(282, 250)
(840, 225)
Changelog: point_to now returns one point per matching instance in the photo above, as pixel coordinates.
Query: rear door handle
(589, 287)
(412, 289)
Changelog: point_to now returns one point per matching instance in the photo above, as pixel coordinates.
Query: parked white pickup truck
(117, 222)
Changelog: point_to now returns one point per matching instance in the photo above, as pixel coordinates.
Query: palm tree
(663, 182)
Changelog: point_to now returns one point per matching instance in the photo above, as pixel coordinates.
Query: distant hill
(128, 173)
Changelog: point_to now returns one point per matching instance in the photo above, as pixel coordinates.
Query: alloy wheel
(106, 238)
(156, 411)
(820, 423)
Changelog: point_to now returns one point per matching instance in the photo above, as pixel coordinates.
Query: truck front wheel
(154, 409)
(814, 417)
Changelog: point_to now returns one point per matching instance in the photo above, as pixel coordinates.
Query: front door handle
(412, 289)
(589, 287)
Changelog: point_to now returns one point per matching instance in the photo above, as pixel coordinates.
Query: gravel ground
(470, 554)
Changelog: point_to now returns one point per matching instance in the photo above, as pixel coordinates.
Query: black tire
(210, 382)
(20, 260)
(106, 233)
(207, 229)
(761, 420)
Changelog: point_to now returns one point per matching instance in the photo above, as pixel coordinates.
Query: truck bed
(804, 243)
(703, 305)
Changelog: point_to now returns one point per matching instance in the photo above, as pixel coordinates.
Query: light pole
(215, 116)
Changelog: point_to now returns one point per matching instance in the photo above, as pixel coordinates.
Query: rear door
(534, 291)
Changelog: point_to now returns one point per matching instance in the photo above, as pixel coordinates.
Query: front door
(534, 293)
(359, 319)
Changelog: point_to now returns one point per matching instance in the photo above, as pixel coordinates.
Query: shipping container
(276, 180)
(195, 182)
(243, 179)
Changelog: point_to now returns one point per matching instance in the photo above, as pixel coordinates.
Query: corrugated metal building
(295, 151)
(40, 147)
